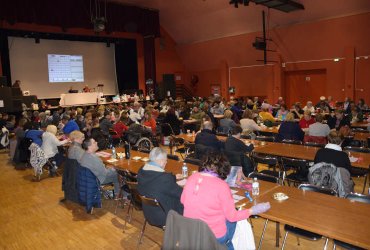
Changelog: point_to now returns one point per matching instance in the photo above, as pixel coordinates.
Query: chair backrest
(135, 196)
(173, 157)
(265, 138)
(313, 188)
(357, 149)
(359, 197)
(314, 144)
(317, 139)
(166, 129)
(202, 150)
(264, 177)
(299, 164)
(265, 159)
(248, 137)
(193, 161)
(286, 141)
(186, 233)
(151, 202)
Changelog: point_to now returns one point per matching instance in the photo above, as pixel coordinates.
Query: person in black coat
(235, 150)
(172, 119)
(154, 182)
(332, 153)
(338, 121)
(207, 138)
(290, 130)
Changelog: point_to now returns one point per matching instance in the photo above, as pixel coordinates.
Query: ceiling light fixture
(97, 18)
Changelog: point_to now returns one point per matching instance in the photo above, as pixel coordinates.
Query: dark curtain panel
(149, 63)
(4, 53)
(76, 13)
(126, 65)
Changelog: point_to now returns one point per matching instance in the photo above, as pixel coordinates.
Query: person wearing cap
(323, 105)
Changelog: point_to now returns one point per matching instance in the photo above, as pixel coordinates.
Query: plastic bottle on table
(255, 187)
(114, 154)
(184, 170)
(127, 150)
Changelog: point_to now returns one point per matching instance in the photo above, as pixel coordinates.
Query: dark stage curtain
(126, 65)
(4, 54)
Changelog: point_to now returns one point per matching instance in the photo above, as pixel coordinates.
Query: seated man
(332, 153)
(207, 138)
(154, 182)
(91, 161)
(319, 128)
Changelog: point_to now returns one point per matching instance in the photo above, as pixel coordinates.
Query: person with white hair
(50, 144)
(309, 106)
(136, 113)
(154, 182)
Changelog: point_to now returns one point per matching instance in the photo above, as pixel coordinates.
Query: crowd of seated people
(88, 129)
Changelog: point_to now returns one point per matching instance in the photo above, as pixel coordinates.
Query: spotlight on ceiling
(99, 24)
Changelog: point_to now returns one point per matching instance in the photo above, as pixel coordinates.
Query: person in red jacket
(120, 127)
(149, 122)
(306, 120)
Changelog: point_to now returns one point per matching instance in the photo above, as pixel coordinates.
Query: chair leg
(334, 246)
(326, 243)
(277, 234)
(142, 232)
(263, 234)
(298, 241)
(127, 217)
(363, 190)
(284, 240)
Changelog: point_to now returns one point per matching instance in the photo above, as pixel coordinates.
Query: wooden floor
(31, 217)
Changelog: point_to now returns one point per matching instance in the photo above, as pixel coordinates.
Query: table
(361, 136)
(71, 99)
(332, 217)
(305, 152)
(364, 124)
(134, 165)
(272, 130)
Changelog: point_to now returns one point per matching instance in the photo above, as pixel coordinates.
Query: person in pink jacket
(206, 196)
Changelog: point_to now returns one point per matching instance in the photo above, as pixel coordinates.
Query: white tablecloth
(71, 99)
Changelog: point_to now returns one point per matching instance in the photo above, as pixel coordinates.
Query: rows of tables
(290, 150)
(332, 217)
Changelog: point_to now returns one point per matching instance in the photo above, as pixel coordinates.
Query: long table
(290, 150)
(134, 165)
(306, 153)
(332, 217)
(71, 99)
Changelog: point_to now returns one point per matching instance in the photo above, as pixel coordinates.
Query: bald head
(208, 125)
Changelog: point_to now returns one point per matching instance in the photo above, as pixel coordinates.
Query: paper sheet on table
(234, 191)
(237, 198)
(181, 183)
(103, 154)
(353, 159)
(112, 160)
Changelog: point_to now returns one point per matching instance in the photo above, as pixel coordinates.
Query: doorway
(304, 85)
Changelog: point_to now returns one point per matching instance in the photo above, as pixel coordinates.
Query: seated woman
(50, 145)
(76, 151)
(206, 196)
(247, 123)
(297, 111)
(306, 120)
(149, 122)
(332, 153)
(290, 130)
(309, 106)
(282, 112)
(265, 114)
(227, 124)
(120, 127)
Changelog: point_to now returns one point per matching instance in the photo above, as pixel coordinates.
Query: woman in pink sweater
(206, 196)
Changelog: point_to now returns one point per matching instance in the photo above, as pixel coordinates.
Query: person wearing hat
(323, 105)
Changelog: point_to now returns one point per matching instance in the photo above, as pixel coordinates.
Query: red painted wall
(344, 37)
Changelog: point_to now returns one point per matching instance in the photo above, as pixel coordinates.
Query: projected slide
(65, 68)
